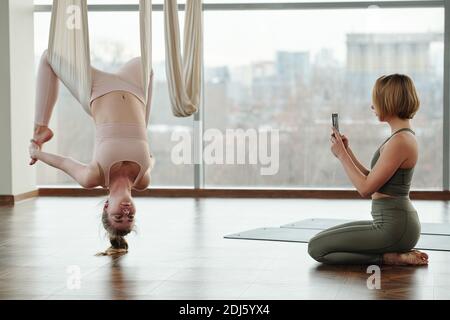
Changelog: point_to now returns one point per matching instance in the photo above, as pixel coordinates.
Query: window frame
(199, 174)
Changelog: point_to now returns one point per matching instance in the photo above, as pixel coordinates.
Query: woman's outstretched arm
(86, 175)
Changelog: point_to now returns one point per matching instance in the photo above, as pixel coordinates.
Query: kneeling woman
(395, 229)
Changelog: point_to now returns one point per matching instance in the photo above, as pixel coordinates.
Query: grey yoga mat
(426, 241)
(442, 229)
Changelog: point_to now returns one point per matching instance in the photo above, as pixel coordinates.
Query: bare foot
(422, 254)
(413, 257)
(42, 134)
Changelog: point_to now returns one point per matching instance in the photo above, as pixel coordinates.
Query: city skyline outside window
(296, 85)
(287, 69)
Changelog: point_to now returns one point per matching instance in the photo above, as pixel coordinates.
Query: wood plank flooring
(179, 252)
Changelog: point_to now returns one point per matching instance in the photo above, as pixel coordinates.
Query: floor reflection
(375, 282)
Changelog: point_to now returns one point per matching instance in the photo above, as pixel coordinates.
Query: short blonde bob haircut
(395, 95)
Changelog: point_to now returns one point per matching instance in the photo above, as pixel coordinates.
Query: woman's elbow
(365, 193)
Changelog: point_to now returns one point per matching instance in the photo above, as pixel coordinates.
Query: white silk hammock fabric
(68, 48)
(184, 75)
(69, 51)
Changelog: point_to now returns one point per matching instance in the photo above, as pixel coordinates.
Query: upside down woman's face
(121, 213)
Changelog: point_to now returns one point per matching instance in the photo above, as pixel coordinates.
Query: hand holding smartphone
(335, 120)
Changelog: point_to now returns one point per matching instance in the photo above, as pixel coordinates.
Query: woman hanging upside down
(122, 161)
(395, 229)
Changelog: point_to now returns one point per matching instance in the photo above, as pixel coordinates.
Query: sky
(239, 38)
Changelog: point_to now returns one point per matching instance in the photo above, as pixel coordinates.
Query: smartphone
(335, 120)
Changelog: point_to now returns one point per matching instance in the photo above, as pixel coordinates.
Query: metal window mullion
(199, 169)
(268, 6)
(198, 142)
(322, 5)
(198, 149)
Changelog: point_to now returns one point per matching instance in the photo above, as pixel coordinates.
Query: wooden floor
(179, 253)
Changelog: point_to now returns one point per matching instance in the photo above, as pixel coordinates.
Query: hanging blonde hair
(119, 246)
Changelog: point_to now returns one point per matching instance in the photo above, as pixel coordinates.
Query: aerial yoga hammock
(119, 103)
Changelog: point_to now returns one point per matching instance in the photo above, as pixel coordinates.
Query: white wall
(5, 134)
(17, 86)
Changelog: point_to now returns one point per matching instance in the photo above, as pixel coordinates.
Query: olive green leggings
(395, 228)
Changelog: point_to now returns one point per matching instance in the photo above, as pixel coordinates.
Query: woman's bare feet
(42, 134)
(413, 257)
(422, 254)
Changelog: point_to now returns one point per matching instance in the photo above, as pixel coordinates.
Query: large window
(284, 69)
(114, 39)
(291, 69)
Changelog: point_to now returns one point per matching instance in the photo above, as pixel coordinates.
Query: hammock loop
(69, 52)
(184, 75)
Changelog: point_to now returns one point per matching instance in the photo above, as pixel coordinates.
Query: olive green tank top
(400, 183)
